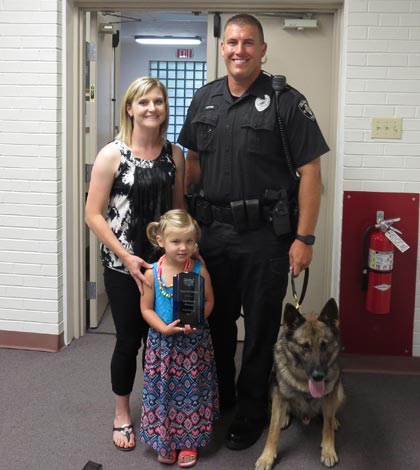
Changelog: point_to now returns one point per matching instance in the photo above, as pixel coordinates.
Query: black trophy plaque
(189, 298)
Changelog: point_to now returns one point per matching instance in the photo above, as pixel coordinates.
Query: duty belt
(248, 214)
(243, 214)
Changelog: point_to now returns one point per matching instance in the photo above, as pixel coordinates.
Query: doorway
(306, 75)
(113, 60)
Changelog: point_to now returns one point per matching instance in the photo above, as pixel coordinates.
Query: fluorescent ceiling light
(168, 40)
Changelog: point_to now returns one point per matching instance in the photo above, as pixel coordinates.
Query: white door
(306, 59)
(99, 131)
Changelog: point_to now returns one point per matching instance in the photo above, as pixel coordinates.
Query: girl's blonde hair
(178, 219)
(138, 88)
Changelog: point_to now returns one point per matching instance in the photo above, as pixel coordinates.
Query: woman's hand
(135, 264)
(197, 255)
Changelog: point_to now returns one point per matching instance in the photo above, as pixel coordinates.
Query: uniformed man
(235, 154)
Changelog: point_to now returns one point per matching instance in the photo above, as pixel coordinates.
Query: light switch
(386, 128)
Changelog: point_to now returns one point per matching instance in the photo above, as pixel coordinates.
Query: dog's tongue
(316, 389)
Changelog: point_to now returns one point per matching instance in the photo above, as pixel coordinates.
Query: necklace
(164, 288)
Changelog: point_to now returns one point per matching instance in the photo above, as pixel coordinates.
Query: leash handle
(304, 287)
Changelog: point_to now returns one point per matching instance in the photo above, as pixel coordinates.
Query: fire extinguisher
(378, 263)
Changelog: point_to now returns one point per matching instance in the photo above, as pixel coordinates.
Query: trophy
(189, 299)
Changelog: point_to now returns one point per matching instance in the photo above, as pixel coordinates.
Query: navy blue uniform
(241, 156)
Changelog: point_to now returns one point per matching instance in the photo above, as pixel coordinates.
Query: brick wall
(383, 80)
(31, 200)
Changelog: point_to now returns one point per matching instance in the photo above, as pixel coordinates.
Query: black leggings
(130, 326)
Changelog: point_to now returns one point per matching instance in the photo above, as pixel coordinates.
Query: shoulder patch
(305, 109)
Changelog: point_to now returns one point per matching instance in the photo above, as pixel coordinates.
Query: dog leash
(304, 287)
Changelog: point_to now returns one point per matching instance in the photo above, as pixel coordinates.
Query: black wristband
(307, 239)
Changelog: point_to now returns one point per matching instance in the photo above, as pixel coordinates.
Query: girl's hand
(134, 264)
(189, 329)
(173, 328)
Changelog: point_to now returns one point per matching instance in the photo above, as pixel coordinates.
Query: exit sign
(184, 53)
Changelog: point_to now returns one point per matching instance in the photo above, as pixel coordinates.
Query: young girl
(180, 398)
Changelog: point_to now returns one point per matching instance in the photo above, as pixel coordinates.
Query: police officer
(235, 155)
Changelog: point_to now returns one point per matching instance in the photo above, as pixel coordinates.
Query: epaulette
(214, 81)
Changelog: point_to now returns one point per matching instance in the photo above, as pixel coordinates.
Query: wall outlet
(386, 128)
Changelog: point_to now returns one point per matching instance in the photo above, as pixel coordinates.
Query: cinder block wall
(383, 80)
(31, 199)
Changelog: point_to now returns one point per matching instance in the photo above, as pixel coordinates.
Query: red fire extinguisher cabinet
(363, 332)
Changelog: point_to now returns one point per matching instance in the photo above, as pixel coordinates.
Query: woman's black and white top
(141, 193)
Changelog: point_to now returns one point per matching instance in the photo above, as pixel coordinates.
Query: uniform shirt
(238, 139)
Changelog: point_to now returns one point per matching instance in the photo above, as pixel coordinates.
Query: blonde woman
(135, 179)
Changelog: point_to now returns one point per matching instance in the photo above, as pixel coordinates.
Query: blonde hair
(178, 219)
(138, 88)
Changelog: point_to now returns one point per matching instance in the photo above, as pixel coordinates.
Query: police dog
(306, 379)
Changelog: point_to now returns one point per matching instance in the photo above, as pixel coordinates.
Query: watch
(307, 239)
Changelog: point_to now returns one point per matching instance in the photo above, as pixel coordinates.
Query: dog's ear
(329, 314)
(292, 319)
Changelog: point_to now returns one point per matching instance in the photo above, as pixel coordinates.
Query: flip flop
(187, 453)
(170, 460)
(125, 430)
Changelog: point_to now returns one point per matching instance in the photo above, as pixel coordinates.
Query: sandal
(187, 454)
(170, 460)
(126, 430)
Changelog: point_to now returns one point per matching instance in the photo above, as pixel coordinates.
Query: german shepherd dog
(306, 379)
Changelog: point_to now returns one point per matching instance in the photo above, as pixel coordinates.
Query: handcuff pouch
(239, 215)
(253, 213)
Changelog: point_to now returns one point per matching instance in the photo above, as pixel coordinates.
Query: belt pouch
(239, 215)
(253, 213)
(281, 216)
(203, 212)
(190, 202)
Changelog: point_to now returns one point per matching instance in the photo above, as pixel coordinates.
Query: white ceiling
(132, 23)
(158, 23)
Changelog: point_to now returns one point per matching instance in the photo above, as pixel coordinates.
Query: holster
(282, 211)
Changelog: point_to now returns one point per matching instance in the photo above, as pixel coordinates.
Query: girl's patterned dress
(180, 397)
